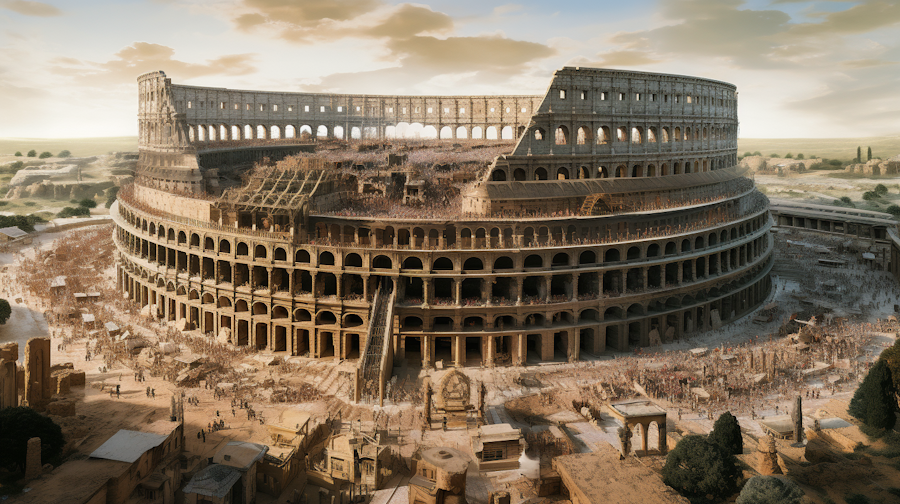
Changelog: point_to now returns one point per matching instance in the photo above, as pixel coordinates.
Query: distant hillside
(832, 148)
(79, 147)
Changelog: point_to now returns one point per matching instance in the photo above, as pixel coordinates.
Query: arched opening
(562, 135)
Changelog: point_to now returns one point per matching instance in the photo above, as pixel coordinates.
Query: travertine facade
(618, 220)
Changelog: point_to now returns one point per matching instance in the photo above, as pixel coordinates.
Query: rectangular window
(404, 110)
(262, 107)
(637, 97)
(524, 110)
(653, 97)
(358, 109)
(190, 105)
(306, 108)
(221, 105)
(677, 98)
(492, 109)
(462, 110)
(237, 106)
(584, 95)
(689, 99)
(562, 94)
(322, 108)
(430, 110)
(290, 108)
(446, 110)
(603, 96)
(248, 106)
(390, 110)
(621, 96)
(417, 110)
(340, 108)
(489, 454)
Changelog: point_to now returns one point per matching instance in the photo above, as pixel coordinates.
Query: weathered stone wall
(38, 382)
(163, 201)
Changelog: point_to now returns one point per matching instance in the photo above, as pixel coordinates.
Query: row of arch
(611, 253)
(226, 132)
(603, 135)
(643, 169)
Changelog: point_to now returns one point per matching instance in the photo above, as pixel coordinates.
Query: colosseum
(613, 216)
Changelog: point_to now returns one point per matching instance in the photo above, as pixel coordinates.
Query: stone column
(33, 464)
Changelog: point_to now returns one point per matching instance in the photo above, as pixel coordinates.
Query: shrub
(45, 155)
(17, 426)
(894, 210)
(64, 154)
(846, 199)
(88, 203)
(5, 311)
(697, 467)
(18, 153)
(773, 155)
(32, 153)
(727, 434)
(757, 153)
(78, 211)
(874, 402)
(770, 490)
(881, 189)
(857, 499)
(835, 162)
(111, 195)
(748, 154)
(870, 195)
(789, 156)
(30, 203)
(800, 156)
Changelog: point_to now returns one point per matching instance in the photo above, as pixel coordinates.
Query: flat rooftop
(637, 408)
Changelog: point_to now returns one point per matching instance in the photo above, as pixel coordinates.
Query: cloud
(501, 10)
(861, 18)
(626, 58)
(29, 8)
(143, 57)
(438, 61)
(409, 20)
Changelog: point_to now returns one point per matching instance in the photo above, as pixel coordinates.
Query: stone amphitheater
(618, 219)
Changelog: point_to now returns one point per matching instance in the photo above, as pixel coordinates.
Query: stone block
(38, 382)
(9, 389)
(9, 351)
(65, 408)
(62, 384)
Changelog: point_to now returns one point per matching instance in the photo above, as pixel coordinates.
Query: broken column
(33, 458)
(767, 457)
(9, 387)
(797, 420)
(38, 385)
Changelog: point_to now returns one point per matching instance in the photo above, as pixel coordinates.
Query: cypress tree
(870, 154)
(874, 401)
(858, 154)
(727, 434)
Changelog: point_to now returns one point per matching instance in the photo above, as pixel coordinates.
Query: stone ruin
(35, 384)
(767, 457)
(38, 388)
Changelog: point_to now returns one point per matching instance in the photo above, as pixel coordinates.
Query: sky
(803, 69)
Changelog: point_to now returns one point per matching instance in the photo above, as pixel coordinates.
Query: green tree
(17, 426)
(18, 153)
(5, 311)
(869, 154)
(45, 155)
(697, 467)
(874, 402)
(891, 355)
(727, 434)
(770, 490)
(881, 189)
(757, 153)
(789, 156)
(893, 210)
(64, 154)
(846, 199)
(773, 155)
(32, 153)
(748, 154)
(858, 154)
(800, 156)
(88, 203)
(111, 195)
(870, 195)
